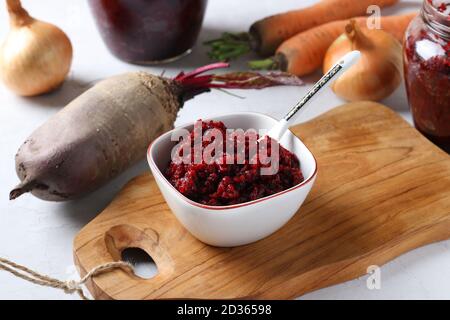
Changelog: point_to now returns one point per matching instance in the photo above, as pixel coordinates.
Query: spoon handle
(345, 63)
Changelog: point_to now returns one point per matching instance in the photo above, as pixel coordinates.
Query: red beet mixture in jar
(148, 31)
(218, 183)
(427, 71)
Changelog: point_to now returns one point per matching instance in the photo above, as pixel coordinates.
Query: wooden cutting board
(382, 189)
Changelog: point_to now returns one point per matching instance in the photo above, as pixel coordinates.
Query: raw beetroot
(108, 128)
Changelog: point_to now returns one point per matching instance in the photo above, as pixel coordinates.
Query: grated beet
(222, 184)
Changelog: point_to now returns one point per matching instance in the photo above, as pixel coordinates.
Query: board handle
(121, 237)
(108, 247)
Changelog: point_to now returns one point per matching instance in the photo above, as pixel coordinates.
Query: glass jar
(149, 31)
(427, 71)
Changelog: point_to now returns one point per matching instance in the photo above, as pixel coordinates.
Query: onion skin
(379, 71)
(36, 56)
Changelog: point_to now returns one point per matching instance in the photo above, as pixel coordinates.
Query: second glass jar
(427, 71)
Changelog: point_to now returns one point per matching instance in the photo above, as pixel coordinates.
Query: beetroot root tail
(23, 187)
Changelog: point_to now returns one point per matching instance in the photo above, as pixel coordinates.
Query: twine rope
(69, 286)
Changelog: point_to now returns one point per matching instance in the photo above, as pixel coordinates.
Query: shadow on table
(83, 210)
(60, 97)
(397, 101)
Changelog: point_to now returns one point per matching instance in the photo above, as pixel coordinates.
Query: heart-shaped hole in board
(139, 247)
(144, 266)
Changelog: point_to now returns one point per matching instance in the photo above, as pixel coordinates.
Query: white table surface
(39, 234)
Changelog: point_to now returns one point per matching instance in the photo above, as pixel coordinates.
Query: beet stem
(198, 71)
(194, 83)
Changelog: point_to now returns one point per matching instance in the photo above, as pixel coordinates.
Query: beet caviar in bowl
(427, 71)
(219, 182)
(230, 197)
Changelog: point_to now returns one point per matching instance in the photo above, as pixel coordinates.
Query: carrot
(275, 29)
(109, 127)
(265, 35)
(304, 53)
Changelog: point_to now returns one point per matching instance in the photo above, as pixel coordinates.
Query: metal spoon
(277, 131)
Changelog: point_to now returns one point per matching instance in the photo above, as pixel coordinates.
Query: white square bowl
(239, 224)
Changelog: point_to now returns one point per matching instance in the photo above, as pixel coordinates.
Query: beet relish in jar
(427, 71)
(149, 31)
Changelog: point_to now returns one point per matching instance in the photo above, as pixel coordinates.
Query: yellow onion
(379, 71)
(36, 56)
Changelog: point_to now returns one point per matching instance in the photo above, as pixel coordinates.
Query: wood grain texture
(382, 189)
